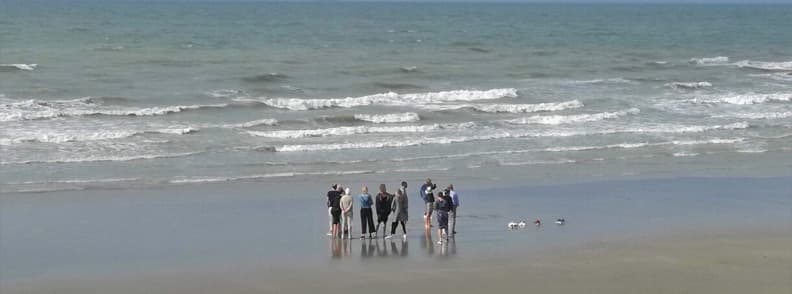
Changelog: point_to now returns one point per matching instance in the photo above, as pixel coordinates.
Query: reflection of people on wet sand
(335, 248)
(426, 241)
(366, 249)
(382, 251)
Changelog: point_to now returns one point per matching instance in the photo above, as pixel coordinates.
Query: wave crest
(567, 119)
(387, 99)
(389, 118)
(18, 66)
(718, 60)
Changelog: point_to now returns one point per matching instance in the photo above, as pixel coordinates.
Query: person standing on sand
(452, 215)
(443, 206)
(346, 213)
(383, 208)
(422, 192)
(429, 199)
(330, 194)
(335, 211)
(366, 216)
(399, 209)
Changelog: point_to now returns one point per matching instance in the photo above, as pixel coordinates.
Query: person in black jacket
(443, 205)
(383, 208)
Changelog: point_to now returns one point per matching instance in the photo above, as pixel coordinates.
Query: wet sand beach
(678, 235)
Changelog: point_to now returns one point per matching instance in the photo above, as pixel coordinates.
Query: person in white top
(346, 213)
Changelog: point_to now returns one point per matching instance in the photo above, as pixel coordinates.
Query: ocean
(117, 95)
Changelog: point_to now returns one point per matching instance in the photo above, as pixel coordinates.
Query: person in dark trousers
(366, 216)
(330, 194)
(334, 200)
(452, 215)
(443, 206)
(383, 201)
(399, 209)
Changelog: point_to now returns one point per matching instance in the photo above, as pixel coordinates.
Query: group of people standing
(340, 204)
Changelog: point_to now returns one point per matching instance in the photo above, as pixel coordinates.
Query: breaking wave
(265, 176)
(387, 99)
(567, 119)
(346, 131)
(763, 65)
(14, 110)
(746, 99)
(18, 66)
(389, 118)
(719, 60)
(689, 86)
(102, 158)
(495, 134)
(510, 108)
(60, 136)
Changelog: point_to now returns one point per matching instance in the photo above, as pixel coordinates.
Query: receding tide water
(97, 94)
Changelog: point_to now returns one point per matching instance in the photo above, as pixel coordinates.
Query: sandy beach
(676, 235)
(734, 262)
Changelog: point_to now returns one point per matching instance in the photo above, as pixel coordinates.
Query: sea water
(99, 94)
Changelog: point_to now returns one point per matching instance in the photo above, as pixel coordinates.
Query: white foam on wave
(224, 93)
(745, 99)
(602, 81)
(20, 66)
(760, 115)
(389, 118)
(56, 136)
(195, 180)
(386, 99)
(495, 134)
(510, 108)
(77, 159)
(15, 110)
(690, 85)
(764, 65)
(568, 119)
(718, 60)
(347, 131)
(778, 76)
(253, 123)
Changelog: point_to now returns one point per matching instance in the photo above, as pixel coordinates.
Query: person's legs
(452, 217)
(370, 217)
(363, 221)
(429, 211)
(330, 220)
(404, 228)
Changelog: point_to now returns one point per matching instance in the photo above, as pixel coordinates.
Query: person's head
(399, 193)
(428, 181)
(340, 189)
(364, 189)
(404, 184)
(447, 192)
(382, 188)
(451, 187)
(335, 187)
(346, 191)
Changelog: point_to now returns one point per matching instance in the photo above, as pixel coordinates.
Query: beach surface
(674, 235)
